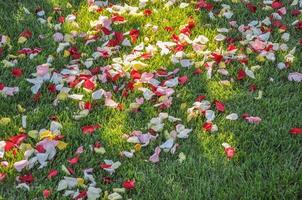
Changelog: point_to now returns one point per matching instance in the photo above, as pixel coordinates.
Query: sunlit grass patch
(217, 90)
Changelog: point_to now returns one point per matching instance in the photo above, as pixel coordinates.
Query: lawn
(78, 82)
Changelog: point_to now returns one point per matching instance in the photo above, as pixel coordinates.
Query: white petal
(232, 116)
(210, 115)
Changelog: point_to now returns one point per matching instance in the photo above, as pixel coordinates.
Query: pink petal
(252, 119)
(42, 69)
(155, 157)
(20, 165)
(295, 76)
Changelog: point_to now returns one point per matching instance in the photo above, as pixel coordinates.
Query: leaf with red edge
(219, 106)
(129, 184)
(295, 131)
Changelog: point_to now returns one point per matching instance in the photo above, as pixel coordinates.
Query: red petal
(200, 98)
(52, 88)
(81, 195)
(207, 126)
(40, 149)
(241, 74)
(147, 12)
(277, 4)
(117, 18)
(230, 152)
(74, 160)
(217, 57)
(61, 19)
(87, 105)
(182, 80)
(27, 178)
(219, 106)
(2, 177)
(17, 72)
(2, 86)
(251, 7)
(46, 193)
(52, 173)
(105, 166)
(26, 33)
(70, 170)
(135, 74)
(88, 84)
(107, 180)
(9, 146)
(295, 131)
(90, 128)
(18, 139)
(129, 184)
(134, 33)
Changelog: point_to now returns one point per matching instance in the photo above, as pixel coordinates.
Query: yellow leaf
(62, 96)
(137, 147)
(25, 146)
(21, 109)
(46, 134)
(22, 39)
(137, 85)
(260, 58)
(100, 150)
(33, 134)
(5, 121)
(66, 53)
(62, 145)
(137, 65)
(80, 181)
(183, 106)
(21, 129)
(222, 65)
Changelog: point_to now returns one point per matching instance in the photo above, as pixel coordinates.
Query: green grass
(268, 163)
